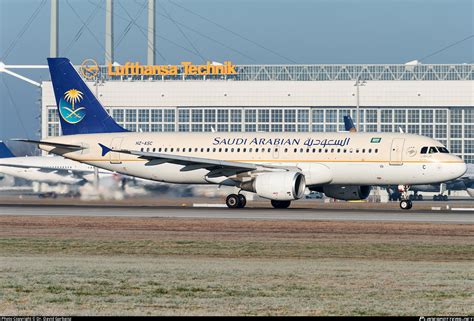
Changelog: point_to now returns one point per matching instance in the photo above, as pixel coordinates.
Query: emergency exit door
(396, 151)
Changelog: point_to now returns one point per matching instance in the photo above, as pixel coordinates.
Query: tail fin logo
(71, 113)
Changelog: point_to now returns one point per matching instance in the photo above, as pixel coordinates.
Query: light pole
(358, 84)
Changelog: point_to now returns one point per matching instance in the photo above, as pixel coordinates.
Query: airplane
(45, 169)
(463, 183)
(277, 166)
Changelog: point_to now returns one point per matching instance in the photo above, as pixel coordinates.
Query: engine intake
(278, 186)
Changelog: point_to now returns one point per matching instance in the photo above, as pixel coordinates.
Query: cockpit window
(443, 150)
(432, 150)
(424, 150)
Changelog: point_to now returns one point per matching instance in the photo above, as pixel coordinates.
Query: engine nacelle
(347, 193)
(278, 186)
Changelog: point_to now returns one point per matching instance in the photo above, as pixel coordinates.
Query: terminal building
(430, 100)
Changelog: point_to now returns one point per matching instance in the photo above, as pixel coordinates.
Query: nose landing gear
(236, 201)
(405, 203)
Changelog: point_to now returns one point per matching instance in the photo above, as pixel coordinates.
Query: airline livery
(275, 166)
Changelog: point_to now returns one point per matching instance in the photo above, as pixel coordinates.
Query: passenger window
(332, 150)
(295, 150)
(256, 150)
(424, 150)
(238, 150)
(232, 150)
(195, 150)
(220, 150)
(370, 150)
(269, 150)
(141, 149)
(171, 150)
(286, 150)
(338, 150)
(363, 150)
(159, 150)
(245, 149)
(226, 150)
(320, 150)
(213, 150)
(177, 149)
(433, 150)
(250, 150)
(301, 150)
(208, 150)
(357, 150)
(376, 150)
(154, 150)
(166, 149)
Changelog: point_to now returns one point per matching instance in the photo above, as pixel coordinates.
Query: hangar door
(396, 151)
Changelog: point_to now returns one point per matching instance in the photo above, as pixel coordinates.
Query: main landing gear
(236, 201)
(405, 203)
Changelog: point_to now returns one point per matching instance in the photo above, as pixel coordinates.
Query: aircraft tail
(79, 110)
(349, 124)
(5, 152)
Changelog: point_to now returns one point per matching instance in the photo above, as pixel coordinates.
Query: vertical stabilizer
(79, 110)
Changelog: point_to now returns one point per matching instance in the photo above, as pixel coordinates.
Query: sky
(242, 31)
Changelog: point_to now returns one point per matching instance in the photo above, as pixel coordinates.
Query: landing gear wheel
(232, 201)
(445, 197)
(242, 201)
(281, 204)
(406, 204)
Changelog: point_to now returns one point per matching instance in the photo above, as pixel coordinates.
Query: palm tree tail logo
(68, 108)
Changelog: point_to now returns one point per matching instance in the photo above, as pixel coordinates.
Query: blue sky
(287, 31)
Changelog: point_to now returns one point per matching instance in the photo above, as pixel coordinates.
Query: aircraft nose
(457, 169)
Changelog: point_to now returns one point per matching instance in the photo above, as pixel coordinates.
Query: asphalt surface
(247, 213)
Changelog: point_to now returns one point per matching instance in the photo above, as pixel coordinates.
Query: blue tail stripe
(79, 110)
(5, 152)
(105, 149)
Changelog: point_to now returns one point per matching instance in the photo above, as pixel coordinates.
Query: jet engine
(278, 186)
(347, 193)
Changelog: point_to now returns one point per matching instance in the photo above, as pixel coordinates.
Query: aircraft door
(396, 151)
(116, 144)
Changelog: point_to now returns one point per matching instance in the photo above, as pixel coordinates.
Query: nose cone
(457, 169)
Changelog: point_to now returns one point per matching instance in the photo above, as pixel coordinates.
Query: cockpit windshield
(433, 150)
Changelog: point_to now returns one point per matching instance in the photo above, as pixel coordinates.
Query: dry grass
(123, 266)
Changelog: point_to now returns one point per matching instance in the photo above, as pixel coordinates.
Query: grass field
(123, 266)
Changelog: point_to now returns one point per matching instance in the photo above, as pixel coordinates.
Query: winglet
(105, 149)
(349, 124)
(5, 152)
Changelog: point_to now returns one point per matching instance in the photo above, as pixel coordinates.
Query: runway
(297, 214)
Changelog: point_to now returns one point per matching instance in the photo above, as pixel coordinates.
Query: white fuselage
(50, 170)
(324, 158)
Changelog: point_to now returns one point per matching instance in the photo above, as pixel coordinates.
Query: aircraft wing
(216, 167)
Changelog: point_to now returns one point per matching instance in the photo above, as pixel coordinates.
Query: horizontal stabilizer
(58, 145)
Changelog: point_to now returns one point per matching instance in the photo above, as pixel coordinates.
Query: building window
(277, 116)
(130, 115)
(222, 116)
(250, 116)
(117, 114)
(263, 115)
(196, 115)
(183, 115)
(156, 116)
(143, 115)
(210, 115)
(236, 116)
